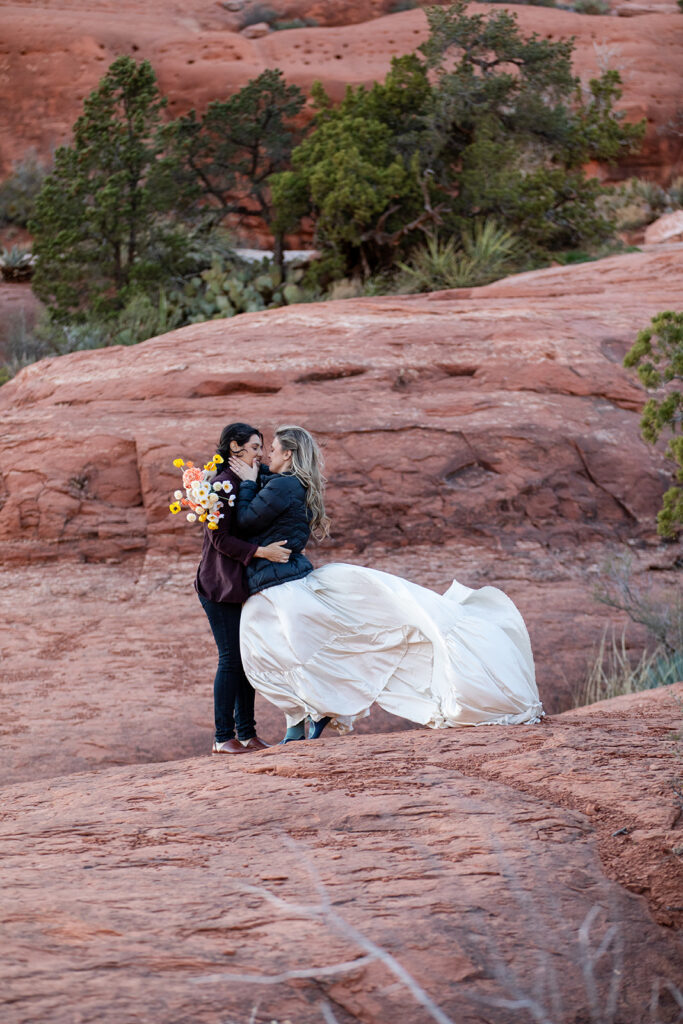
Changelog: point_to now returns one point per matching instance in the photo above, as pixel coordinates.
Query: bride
(325, 644)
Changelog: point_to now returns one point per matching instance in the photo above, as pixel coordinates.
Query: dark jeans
(233, 694)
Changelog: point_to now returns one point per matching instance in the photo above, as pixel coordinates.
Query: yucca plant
(483, 253)
(17, 263)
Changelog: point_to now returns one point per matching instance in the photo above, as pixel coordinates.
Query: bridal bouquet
(201, 493)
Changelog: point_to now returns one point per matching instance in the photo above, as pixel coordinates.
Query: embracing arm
(243, 550)
(232, 547)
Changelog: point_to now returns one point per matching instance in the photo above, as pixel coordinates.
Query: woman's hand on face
(243, 470)
(275, 552)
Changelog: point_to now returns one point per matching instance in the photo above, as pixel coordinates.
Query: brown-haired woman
(222, 589)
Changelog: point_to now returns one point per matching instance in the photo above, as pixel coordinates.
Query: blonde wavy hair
(307, 466)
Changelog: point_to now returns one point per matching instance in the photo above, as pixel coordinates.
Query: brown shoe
(255, 743)
(232, 746)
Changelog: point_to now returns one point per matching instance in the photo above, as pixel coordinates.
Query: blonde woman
(326, 644)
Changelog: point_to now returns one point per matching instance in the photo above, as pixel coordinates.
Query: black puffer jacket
(275, 512)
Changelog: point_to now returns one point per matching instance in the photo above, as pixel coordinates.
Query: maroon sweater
(221, 574)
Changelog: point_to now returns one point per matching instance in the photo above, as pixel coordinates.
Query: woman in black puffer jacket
(277, 508)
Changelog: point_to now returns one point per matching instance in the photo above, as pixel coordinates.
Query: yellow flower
(217, 459)
(178, 463)
(175, 508)
(202, 517)
(211, 466)
(212, 526)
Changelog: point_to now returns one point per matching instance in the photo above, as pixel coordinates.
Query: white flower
(212, 499)
(177, 495)
(202, 491)
(227, 487)
(231, 500)
(218, 486)
(212, 518)
(191, 517)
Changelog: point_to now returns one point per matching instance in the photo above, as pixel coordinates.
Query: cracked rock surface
(379, 876)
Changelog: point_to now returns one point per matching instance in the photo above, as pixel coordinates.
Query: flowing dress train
(345, 637)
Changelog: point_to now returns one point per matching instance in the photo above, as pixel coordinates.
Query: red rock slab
(501, 413)
(427, 876)
(489, 435)
(54, 55)
(106, 665)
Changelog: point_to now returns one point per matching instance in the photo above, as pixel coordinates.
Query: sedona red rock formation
(508, 400)
(487, 434)
(380, 877)
(54, 55)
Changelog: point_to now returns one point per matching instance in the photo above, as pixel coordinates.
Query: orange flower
(192, 474)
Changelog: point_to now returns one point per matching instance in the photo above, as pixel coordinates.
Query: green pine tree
(234, 149)
(480, 123)
(104, 220)
(658, 356)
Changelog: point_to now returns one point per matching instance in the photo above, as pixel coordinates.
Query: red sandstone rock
(509, 400)
(489, 435)
(668, 228)
(257, 31)
(488, 864)
(54, 55)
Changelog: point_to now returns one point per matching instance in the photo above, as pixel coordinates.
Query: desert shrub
(653, 194)
(223, 289)
(638, 202)
(282, 26)
(658, 357)
(591, 7)
(18, 192)
(527, 3)
(258, 13)
(613, 672)
(480, 254)
(566, 259)
(659, 610)
(346, 288)
(675, 191)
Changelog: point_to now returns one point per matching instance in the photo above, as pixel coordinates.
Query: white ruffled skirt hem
(345, 637)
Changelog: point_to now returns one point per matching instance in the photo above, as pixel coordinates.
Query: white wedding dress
(346, 637)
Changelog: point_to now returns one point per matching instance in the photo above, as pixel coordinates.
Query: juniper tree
(481, 122)
(658, 356)
(104, 222)
(232, 151)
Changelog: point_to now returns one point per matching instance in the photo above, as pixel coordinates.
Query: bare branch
(310, 973)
